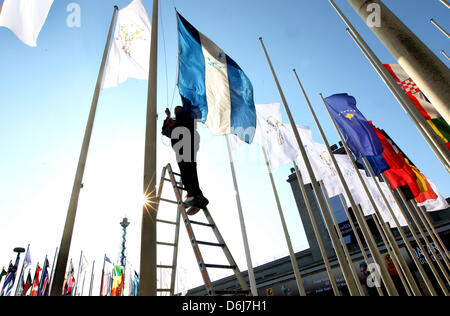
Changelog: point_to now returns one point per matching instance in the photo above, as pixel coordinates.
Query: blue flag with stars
(356, 130)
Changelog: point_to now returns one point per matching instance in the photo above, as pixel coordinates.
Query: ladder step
(210, 244)
(163, 290)
(219, 266)
(177, 174)
(181, 188)
(165, 244)
(166, 222)
(168, 201)
(162, 266)
(202, 224)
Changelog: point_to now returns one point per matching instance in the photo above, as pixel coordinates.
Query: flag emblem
(350, 116)
(129, 34)
(273, 125)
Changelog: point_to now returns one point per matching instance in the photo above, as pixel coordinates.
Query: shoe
(200, 201)
(193, 210)
(188, 202)
(188, 199)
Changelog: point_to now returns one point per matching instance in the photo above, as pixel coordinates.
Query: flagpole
(78, 275)
(21, 273)
(294, 262)
(445, 3)
(355, 232)
(82, 286)
(316, 231)
(147, 284)
(50, 284)
(374, 251)
(424, 218)
(405, 239)
(92, 279)
(351, 283)
(42, 276)
(341, 238)
(440, 28)
(424, 67)
(419, 121)
(401, 272)
(251, 274)
(386, 230)
(35, 272)
(63, 255)
(103, 275)
(422, 232)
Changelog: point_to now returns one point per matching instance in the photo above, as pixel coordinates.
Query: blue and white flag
(214, 87)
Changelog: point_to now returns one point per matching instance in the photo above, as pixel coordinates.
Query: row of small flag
(116, 280)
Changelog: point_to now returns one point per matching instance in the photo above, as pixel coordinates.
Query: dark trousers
(188, 171)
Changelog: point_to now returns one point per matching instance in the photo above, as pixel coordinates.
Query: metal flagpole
(147, 284)
(294, 262)
(63, 254)
(92, 279)
(341, 238)
(34, 277)
(103, 276)
(351, 283)
(316, 231)
(440, 28)
(359, 215)
(358, 239)
(19, 284)
(400, 230)
(251, 275)
(424, 67)
(424, 128)
(439, 243)
(424, 237)
(445, 3)
(445, 55)
(78, 274)
(398, 267)
(50, 282)
(386, 230)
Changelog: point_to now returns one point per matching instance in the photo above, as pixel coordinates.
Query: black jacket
(183, 119)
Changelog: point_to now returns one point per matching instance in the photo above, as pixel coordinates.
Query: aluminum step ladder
(189, 224)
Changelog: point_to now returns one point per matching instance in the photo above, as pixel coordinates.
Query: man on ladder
(185, 142)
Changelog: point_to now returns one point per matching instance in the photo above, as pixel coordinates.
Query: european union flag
(358, 134)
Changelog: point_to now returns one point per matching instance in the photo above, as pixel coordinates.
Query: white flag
(129, 55)
(435, 205)
(25, 18)
(277, 137)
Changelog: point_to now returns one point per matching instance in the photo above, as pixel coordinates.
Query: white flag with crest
(277, 137)
(129, 55)
(25, 18)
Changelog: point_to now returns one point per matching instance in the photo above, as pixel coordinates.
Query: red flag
(26, 286)
(399, 173)
(35, 289)
(426, 191)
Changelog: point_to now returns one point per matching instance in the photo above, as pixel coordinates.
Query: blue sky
(46, 92)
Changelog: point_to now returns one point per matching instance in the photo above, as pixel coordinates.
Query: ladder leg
(226, 251)
(175, 254)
